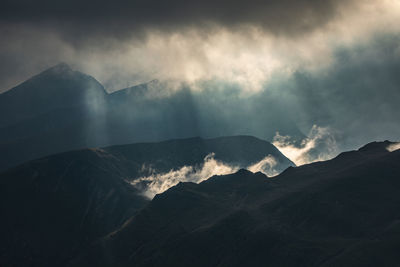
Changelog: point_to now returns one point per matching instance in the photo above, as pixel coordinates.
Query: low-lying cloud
(266, 166)
(318, 146)
(160, 182)
(393, 147)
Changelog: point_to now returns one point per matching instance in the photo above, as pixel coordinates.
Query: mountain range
(55, 206)
(62, 109)
(342, 212)
(79, 209)
(86, 180)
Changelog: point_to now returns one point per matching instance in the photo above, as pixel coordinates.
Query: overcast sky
(127, 42)
(336, 61)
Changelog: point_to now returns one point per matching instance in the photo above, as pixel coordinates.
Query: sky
(129, 42)
(332, 64)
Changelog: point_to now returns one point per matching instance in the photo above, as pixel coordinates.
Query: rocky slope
(342, 212)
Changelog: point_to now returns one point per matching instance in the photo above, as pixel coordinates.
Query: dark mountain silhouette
(342, 212)
(56, 88)
(61, 109)
(54, 207)
(52, 112)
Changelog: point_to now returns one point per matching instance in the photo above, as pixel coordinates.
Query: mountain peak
(61, 68)
(244, 172)
(56, 88)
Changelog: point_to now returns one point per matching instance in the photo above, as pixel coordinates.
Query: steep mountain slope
(53, 207)
(56, 88)
(56, 206)
(342, 212)
(52, 112)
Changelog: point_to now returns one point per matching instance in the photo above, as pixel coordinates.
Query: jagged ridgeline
(55, 206)
(342, 212)
(78, 209)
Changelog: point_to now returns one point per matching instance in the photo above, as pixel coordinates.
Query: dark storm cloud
(38, 34)
(123, 17)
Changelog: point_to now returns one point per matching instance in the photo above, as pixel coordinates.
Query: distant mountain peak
(141, 89)
(61, 68)
(55, 88)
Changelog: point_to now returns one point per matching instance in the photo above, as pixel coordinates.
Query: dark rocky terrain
(342, 212)
(56, 206)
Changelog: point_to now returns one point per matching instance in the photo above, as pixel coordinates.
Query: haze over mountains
(226, 201)
(61, 109)
(199, 133)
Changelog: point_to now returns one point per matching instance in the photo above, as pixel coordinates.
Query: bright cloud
(319, 145)
(160, 182)
(266, 166)
(393, 147)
